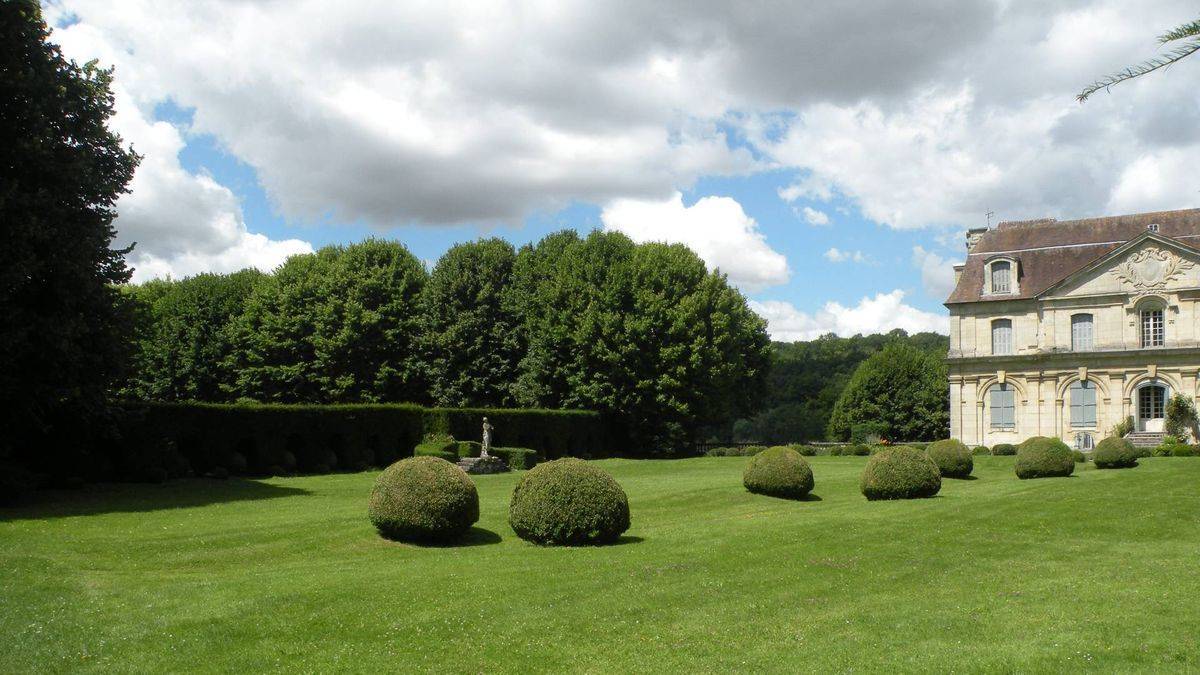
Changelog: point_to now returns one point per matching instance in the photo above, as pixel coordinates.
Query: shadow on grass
(103, 498)
(626, 540)
(476, 536)
(960, 478)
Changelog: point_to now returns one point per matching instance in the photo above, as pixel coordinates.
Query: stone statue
(487, 438)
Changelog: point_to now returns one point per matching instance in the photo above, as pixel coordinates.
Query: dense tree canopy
(641, 331)
(340, 325)
(902, 389)
(644, 331)
(471, 337)
(185, 336)
(62, 322)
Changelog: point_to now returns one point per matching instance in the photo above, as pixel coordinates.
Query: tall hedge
(311, 438)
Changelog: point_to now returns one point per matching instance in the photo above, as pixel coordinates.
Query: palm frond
(1187, 30)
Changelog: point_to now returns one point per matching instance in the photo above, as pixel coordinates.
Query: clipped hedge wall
(259, 439)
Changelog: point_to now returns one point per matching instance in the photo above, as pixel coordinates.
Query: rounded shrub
(952, 457)
(1115, 452)
(900, 472)
(981, 450)
(860, 450)
(423, 499)
(1184, 450)
(1004, 449)
(1041, 457)
(568, 502)
(779, 472)
(1079, 457)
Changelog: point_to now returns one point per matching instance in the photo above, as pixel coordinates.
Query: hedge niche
(423, 499)
(1115, 453)
(1042, 457)
(568, 502)
(900, 472)
(779, 472)
(953, 459)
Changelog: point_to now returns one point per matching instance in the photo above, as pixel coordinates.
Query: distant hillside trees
(807, 379)
(642, 331)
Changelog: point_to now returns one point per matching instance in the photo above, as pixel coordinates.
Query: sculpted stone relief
(1151, 269)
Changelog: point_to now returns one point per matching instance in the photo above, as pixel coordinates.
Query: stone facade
(1065, 329)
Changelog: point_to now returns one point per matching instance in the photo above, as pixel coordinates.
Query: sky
(827, 157)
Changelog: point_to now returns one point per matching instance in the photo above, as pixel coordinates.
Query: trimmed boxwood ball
(1041, 457)
(1004, 449)
(568, 502)
(900, 472)
(779, 472)
(981, 450)
(424, 499)
(952, 457)
(1115, 453)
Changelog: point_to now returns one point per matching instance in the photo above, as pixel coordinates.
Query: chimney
(973, 236)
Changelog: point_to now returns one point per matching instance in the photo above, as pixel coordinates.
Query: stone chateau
(1064, 328)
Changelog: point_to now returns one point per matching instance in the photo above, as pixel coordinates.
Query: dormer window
(1001, 276)
(1153, 227)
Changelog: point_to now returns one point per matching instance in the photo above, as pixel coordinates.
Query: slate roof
(1048, 251)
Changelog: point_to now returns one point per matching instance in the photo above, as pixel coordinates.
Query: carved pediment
(1150, 269)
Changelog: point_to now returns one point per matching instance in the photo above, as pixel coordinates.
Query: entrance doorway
(1152, 402)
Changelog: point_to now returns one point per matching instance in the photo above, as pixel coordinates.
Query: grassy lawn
(1096, 572)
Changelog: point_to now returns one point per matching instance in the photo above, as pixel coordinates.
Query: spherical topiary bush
(568, 502)
(952, 457)
(779, 472)
(1041, 457)
(981, 450)
(423, 499)
(1115, 453)
(900, 472)
(1004, 449)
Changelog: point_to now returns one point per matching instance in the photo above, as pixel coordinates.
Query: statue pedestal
(480, 465)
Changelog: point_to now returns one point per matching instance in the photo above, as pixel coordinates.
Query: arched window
(1081, 333)
(1083, 404)
(1154, 332)
(1003, 404)
(1001, 276)
(1002, 337)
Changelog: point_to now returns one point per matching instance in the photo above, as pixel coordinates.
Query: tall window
(1003, 407)
(1153, 334)
(1083, 404)
(1081, 332)
(1001, 274)
(1151, 402)
(1002, 336)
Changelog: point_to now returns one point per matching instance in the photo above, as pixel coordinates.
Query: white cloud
(716, 228)
(879, 314)
(935, 113)
(815, 217)
(183, 223)
(937, 273)
(839, 256)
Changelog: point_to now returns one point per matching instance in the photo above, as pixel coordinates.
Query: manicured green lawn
(1096, 572)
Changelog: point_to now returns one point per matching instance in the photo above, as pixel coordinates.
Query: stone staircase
(1145, 439)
